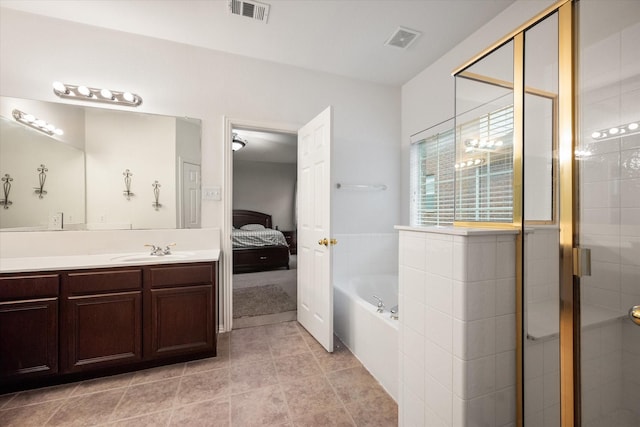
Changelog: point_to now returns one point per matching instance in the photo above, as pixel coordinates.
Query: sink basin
(146, 257)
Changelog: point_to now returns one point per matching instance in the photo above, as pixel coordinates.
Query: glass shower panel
(484, 139)
(541, 232)
(609, 163)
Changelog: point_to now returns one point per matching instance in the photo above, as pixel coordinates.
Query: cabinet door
(29, 338)
(102, 330)
(181, 321)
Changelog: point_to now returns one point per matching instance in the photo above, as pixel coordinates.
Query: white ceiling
(344, 37)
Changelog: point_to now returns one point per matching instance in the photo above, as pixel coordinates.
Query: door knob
(634, 314)
(324, 242)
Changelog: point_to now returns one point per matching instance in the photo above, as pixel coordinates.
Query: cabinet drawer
(103, 281)
(180, 275)
(29, 287)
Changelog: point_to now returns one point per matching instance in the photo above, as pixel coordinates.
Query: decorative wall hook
(6, 186)
(156, 193)
(127, 184)
(42, 177)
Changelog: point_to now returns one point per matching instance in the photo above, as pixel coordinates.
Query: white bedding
(243, 239)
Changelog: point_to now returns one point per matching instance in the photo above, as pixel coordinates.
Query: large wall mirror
(108, 169)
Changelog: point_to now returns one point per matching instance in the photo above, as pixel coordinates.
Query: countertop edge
(82, 262)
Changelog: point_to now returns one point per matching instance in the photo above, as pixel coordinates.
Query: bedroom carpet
(261, 300)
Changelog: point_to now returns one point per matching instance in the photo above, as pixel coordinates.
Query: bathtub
(371, 336)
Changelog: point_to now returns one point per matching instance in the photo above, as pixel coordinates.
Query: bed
(256, 249)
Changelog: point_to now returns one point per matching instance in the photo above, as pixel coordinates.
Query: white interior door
(190, 195)
(315, 290)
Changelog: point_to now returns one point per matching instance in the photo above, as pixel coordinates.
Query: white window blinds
(468, 182)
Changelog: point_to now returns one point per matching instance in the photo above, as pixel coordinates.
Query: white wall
(428, 98)
(180, 80)
(266, 187)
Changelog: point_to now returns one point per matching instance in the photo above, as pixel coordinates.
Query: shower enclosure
(547, 140)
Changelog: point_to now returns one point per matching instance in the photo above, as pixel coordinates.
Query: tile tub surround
(457, 326)
(274, 375)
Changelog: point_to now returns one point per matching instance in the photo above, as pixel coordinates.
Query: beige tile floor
(274, 375)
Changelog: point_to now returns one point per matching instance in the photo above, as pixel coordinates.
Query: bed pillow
(252, 227)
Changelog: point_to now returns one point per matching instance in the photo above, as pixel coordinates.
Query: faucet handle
(167, 249)
(155, 250)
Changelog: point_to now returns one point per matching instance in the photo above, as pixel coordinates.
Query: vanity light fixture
(617, 131)
(238, 142)
(85, 93)
(469, 163)
(36, 123)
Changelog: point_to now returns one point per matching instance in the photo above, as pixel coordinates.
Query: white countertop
(79, 262)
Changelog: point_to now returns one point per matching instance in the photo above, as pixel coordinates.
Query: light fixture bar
(85, 93)
(35, 123)
(617, 131)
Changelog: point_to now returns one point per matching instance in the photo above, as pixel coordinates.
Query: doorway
(264, 281)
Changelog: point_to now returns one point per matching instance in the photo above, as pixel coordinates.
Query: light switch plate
(212, 193)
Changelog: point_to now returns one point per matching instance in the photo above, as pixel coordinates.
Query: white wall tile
(505, 296)
(412, 410)
(506, 259)
(474, 339)
(481, 261)
(439, 328)
(474, 301)
(439, 293)
(474, 378)
(439, 399)
(439, 257)
(505, 333)
(414, 376)
(505, 406)
(439, 364)
(505, 369)
(412, 250)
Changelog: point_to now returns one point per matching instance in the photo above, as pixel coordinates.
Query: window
(432, 176)
(470, 182)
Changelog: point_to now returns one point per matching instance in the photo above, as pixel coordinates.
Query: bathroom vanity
(105, 316)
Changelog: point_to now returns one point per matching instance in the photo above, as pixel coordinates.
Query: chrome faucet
(158, 251)
(394, 312)
(380, 308)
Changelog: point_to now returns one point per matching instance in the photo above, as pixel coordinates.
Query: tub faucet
(394, 312)
(380, 304)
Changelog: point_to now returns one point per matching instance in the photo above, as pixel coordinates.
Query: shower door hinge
(581, 262)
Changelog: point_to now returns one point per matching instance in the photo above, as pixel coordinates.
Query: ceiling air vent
(402, 38)
(250, 9)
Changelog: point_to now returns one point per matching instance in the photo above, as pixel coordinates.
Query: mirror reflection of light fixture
(85, 93)
(237, 142)
(617, 131)
(35, 123)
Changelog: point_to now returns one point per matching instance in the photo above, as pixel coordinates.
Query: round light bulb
(633, 126)
(58, 132)
(596, 135)
(28, 118)
(40, 123)
(614, 131)
(477, 161)
(50, 127)
(128, 96)
(456, 166)
(59, 87)
(469, 162)
(83, 90)
(106, 93)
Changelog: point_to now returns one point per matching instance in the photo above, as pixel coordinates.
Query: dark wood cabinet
(292, 241)
(28, 326)
(101, 319)
(180, 302)
(85, 323)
